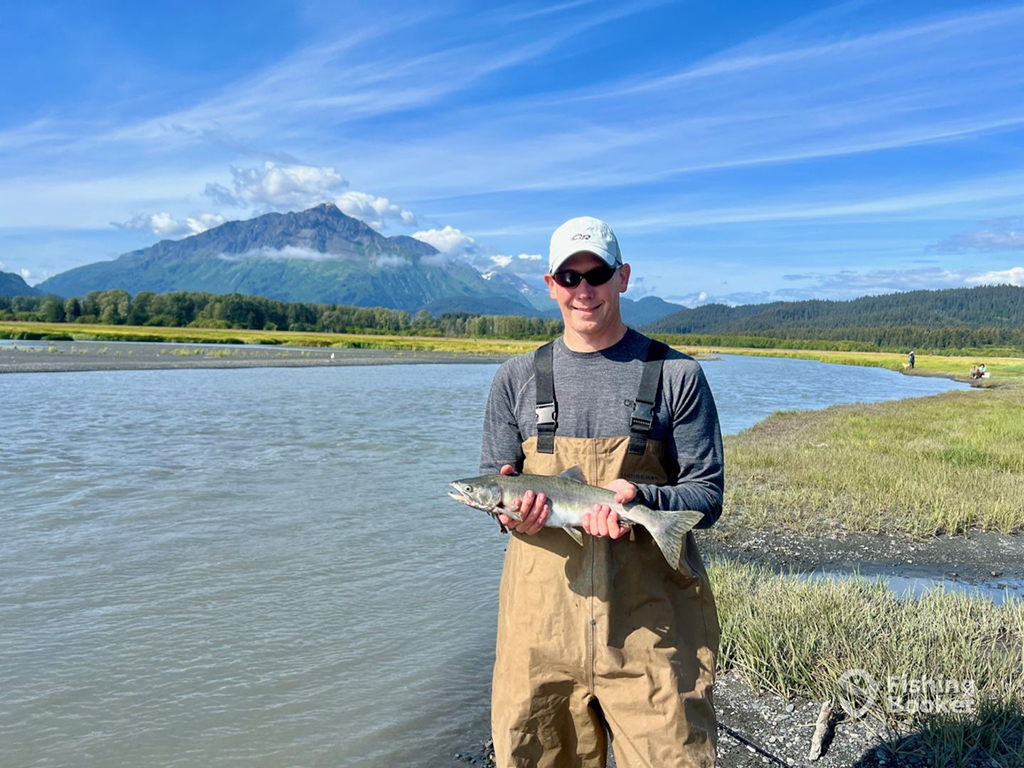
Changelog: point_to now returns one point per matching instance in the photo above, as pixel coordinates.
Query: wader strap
(643, 408)
(547, 413)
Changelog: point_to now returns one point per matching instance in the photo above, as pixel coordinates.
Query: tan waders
(606, 635)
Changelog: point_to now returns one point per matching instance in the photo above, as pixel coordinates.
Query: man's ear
(551, 285)
(623, 278)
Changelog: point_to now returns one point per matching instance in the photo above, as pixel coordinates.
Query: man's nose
(584, 288)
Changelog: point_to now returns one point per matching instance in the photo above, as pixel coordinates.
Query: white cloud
(204, 221)
(389, 260)
(524, 262)
(1, 266)
(449, 240)
(25, 273)
(702, 297)
(308, 254)
(164, 225)
(288, 252)
(437, 260)
(283, 186)
(375, 211)
(1012, 276)
(1002, 235)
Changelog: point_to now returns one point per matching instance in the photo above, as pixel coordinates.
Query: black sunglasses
(597, 276)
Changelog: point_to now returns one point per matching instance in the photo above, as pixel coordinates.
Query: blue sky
(743, 153)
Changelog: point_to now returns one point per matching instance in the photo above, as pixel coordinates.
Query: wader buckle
(643, 416)
(546, 414)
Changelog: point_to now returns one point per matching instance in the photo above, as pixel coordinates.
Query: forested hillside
(952, 318)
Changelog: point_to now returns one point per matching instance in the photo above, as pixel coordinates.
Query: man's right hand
(532, 508)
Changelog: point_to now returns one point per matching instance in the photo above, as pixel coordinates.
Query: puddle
(998, 590)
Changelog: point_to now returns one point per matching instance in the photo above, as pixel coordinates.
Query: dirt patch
(982, 558)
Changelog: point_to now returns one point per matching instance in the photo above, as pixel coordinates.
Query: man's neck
(578, 343)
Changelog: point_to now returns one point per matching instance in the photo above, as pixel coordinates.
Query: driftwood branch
(821, 730)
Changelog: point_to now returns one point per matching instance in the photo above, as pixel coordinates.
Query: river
(261, 566)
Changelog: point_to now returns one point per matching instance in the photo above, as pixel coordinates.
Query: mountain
(991, 315)
(646, 310)
(13, 285)
(319, 255)
(1000, 306)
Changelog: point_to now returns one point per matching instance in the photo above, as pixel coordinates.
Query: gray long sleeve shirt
(595, 393)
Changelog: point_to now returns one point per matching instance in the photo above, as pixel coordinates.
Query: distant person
(605, 637)
(910, 359)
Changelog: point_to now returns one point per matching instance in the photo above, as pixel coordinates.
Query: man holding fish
(614, 634)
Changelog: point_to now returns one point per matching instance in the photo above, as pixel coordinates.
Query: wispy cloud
(285, 253)
(920, 203)
(1000, 235)
(481, 129)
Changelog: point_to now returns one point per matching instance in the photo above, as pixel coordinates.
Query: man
(605, 639)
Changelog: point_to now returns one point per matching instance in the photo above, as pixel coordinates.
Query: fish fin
(509, 513)
(576, 534)
(669, 529)
(575, 474)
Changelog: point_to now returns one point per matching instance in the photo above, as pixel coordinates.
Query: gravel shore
(758, 730)
(72, 356)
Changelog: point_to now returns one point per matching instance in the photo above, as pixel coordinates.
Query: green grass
(943, 464)
(796, 637)
(66, 332)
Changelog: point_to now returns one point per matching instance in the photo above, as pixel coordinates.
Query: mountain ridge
(319, 255)
(13, 284)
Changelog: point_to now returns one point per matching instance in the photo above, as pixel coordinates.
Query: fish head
(477, 492)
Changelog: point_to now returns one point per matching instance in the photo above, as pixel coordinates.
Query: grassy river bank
(937, 481)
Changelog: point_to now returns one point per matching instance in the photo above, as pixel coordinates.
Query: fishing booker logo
(858, 694)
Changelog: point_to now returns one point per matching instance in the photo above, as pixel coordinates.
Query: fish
(569, 497)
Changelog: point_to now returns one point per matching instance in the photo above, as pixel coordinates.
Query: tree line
(185, 309)
(960, 319)
(992, 306)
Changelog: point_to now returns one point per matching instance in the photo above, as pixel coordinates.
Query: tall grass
(796, 637)
(942, 464)
(64, 332)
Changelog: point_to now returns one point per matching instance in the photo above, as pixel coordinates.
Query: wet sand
(73, 356)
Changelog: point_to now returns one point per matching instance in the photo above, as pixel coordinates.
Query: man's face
(586, 309)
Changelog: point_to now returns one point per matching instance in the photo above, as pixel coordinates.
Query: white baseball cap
(583, 234)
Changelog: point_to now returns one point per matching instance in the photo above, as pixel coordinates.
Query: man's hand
(601, 520)
(532, 508)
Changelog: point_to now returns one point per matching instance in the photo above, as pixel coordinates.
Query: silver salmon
(570, 497)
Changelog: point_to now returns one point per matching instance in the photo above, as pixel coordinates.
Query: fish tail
(669, 528)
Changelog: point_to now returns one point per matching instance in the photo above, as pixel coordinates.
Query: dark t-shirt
(595, 392)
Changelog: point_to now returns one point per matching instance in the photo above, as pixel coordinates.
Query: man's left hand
(601, 520)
